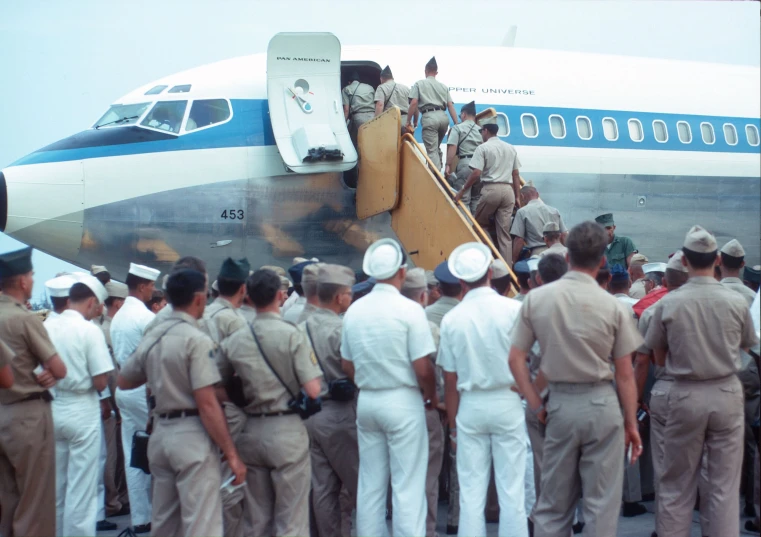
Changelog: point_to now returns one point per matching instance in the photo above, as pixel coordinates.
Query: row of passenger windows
(530, 129)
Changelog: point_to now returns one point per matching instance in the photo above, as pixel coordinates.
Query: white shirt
(475, 340)
(82, 348)
(629, 301)
(289, 302)
(294, 312)
(383, 333)
(127, 328)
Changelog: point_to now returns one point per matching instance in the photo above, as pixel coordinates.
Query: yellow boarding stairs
(396, 175)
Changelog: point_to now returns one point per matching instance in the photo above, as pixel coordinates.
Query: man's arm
(125, 384)
(412, 112)
(214, 422)
(641, 368)
(627, 394)
(451, 148)
(474, 176)
(519, 368)
(346, 112)
(452, 112)
(378, 108)
(348, 368)
(517, 247)
(452, 399)
(517, 187)
(426, 378)
(563, 237)
(53, 370)
(659, 357)
(313, 387)
(100, 382)
(6, 377)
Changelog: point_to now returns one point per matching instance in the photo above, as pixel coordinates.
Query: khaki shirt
(496, 160)
(579, 327)
(736, 284)
(704, 325)
(220, 320)
(466, 136)
(363, 99)
(247, 312)
(176, 359)
(325, 328)
(24, 333)
(307, 312)
(436, 311)
(644, 323)
(392, 94)
(530, 219)
(556, 248)
(288, 351)
(438, 372)
(637, 290)
(430, 92)
(6, 354)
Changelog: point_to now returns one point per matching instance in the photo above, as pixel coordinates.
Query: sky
(64, 62)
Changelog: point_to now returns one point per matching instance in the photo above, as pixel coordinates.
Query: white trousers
(78, 436)
(529, 489)
(134, 410)
(101, 474)
(491, 427)
(393, 440)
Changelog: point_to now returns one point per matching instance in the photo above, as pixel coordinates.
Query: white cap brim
(60, 286)
(470, 261)
(141, 271)
(653, 267)
(383, 259)
(96, 287)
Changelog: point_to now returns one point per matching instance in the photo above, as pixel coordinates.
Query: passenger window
(706, 131)
(684, 131)
(635, 130)
(557, 126)
(207, 112)
(751, 133)
(660, 131)
(530, 129)
(610, 129)
(504, 125)
(730, 134)
(166, 116)
(584, 127)
(183, 88)
(155, 90)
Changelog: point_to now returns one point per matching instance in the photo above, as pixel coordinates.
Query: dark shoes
(142, 528)
(578, 528)
(749, 510)
(452, 530)
(105, 525)
(633, 509)
(751, 525)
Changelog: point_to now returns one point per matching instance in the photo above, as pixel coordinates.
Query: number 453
(233, 214)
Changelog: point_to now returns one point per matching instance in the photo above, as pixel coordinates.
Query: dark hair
(501, 285)
(618, 286)
(552, 267)
(262, 287)
(699, 260)
(59, 302)
(298, 289)
(603, 277)
(586, 245)
(103, 277)
(327, 291)
(189, 262)
(450, 289)
(523, 279)
(493, 128)
(731, 262)
(182, 285)
(110, 300)
(228, 287)
(133, 281)
(675, 278)
(479, 282)
(156, 297)
(79, 292)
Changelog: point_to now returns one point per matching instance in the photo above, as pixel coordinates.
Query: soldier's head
(489, 131)
(386, 262)
(16, 274)
(471, 263)
(676, 273)
(141, 281)
(101, 273)
(551, 268)
(606, 221)
(732, 259)
(309, 282)
(468, 111)
(186, 290)
(86, 296)
(700, 251)
(586, 245)
(636, 267)
(386, 75)
(265, 290)
(231, 280)
(500, 277)
(415, 286)
(619, 280)
(751, 277)
(551, 233)
(117, 293)
(449, 285)
(334, 283)
(528, 193)
(431, 68)
(157, 301)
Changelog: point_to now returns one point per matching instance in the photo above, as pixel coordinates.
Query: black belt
(271, 414)
(434, 109)
(174, 414)
(44, 396)
(465, 156)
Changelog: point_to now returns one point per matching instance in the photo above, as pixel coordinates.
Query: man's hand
(105, 409)
(632, 438)
(447, 170)
(46, 379)
(542, 416)
(453, 439)
(238, 468)
(458, 197)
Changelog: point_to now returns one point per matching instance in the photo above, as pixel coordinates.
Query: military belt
(465, 156)
(174, 414)
(434, 109)
(271, 414)
(44, 396)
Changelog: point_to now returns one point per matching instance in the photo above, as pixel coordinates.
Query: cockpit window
(184, 88)
(155, 90)
(122, 114)
(166, 116)
(207, 112)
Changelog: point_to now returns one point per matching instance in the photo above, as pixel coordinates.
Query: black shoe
(452, 530)
(749, 510)
(578, 528)
(750, 525)
(633, 509)
(105, 525)
(142, 528)
(530, 528)
(654, 534)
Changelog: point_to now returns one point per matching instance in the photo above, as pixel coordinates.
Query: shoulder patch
(313, 357)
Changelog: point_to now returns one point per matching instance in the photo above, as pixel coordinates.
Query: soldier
(386, 341)
(451, 294)
(101, 273)
(579, 327)
(76, 407)
(274, 361)
(309, 286)
(752, 277)
(390, 93)
(332, 431)
(620, 249)
(523, 274)
(433, 287)
(530, 220)
(732, 262)
(496, 164)
(176, 358)
(637, 276)
(27, 442)
(619, 286)
(184, 263)
(157, 301)
(127, 328)
(431, 98)
(463, 139)
(551, 235)
(296, 272)
(358, 99)
(500, 277)
(58, 290)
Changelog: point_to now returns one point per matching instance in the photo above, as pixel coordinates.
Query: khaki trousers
(276, 452)
(472, 195)
(453, 509)
(435, 460)
(498, 200)
(710, 413)
(27, 470)
(234, 503)
(583, 450)
(435, 125)
(357, 120)
(335, 463)
(536, 432)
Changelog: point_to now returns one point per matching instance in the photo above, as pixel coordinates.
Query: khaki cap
(415, 279)
(280, 271)
(700, 241)
(430, 278)
(499, 269)
(117, 290)
(336, 275)
(310, 272)
(640, 259)
(733, 249)
(285, 283)
(675, 263)
(551, 227)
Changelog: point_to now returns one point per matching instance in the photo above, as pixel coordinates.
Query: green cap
(605, 220)
(236, 271)
(15, 263)
(432, 65)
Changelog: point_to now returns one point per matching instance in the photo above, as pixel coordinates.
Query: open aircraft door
(306, 109)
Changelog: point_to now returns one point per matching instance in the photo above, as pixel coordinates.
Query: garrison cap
(309, 274)
(443, 274)
(469, 108)
(752, 274)
(280, 271)
(146, 273)
(605, 220)
(733, 249)
(215, 286)
(551, 227)
(639, 258)
(499, 269)
(675, 262)
(336, 275)
(363, 287)
(15, 263)
(415, 279)
(386, 73)
(383, 259)
(117, 290)
(618, 273)
(97, 269)
(235, 270)
(285, 283)
(430, 278)
(647, 268)
(432, 65)
(297, 260)
(95, 286)
(296, 271)
(59, 286)
(521, 267)
(700, 241)
(470, 261)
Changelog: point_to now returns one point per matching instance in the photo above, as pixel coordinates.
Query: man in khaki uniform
(703, 326)
(358, 102)
(496, 164)
(579, 327)
(462, 142)
(637, 276)
(309, 286)
(274, 360)
(551, 235)
(528, 224)
(431, 98)
(27, 442)
(176, 358)
(332, 431)
(390, 93)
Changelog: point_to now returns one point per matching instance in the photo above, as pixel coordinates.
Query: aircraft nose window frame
(120, 115)
(207, 113)
(166, 116)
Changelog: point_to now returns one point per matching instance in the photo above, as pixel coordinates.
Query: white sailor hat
(470, 261)
(383, 259)
(141, 271)
(675, 263)
(647, 268)
(533, 264)
(59, 286)
(95, 286)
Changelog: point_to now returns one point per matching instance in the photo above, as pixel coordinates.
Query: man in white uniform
(58, 290)
(385, 344)
(486, 417)
(127, 328)
(294, 312)
(76, 407)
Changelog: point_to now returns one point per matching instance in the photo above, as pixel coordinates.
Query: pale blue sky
(64, 62)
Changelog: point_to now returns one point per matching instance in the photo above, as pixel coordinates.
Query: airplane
(214, 161)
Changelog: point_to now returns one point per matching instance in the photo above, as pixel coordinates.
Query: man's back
(359, 97)
(324, 333)
(222, 318)
(736, 284)
(466, 137)
(128, 326)
(530, 219)
(391, 93)
(436, 311)
(497, 160)
(430, 92)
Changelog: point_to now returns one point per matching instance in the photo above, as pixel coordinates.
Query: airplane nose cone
(3, 202)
